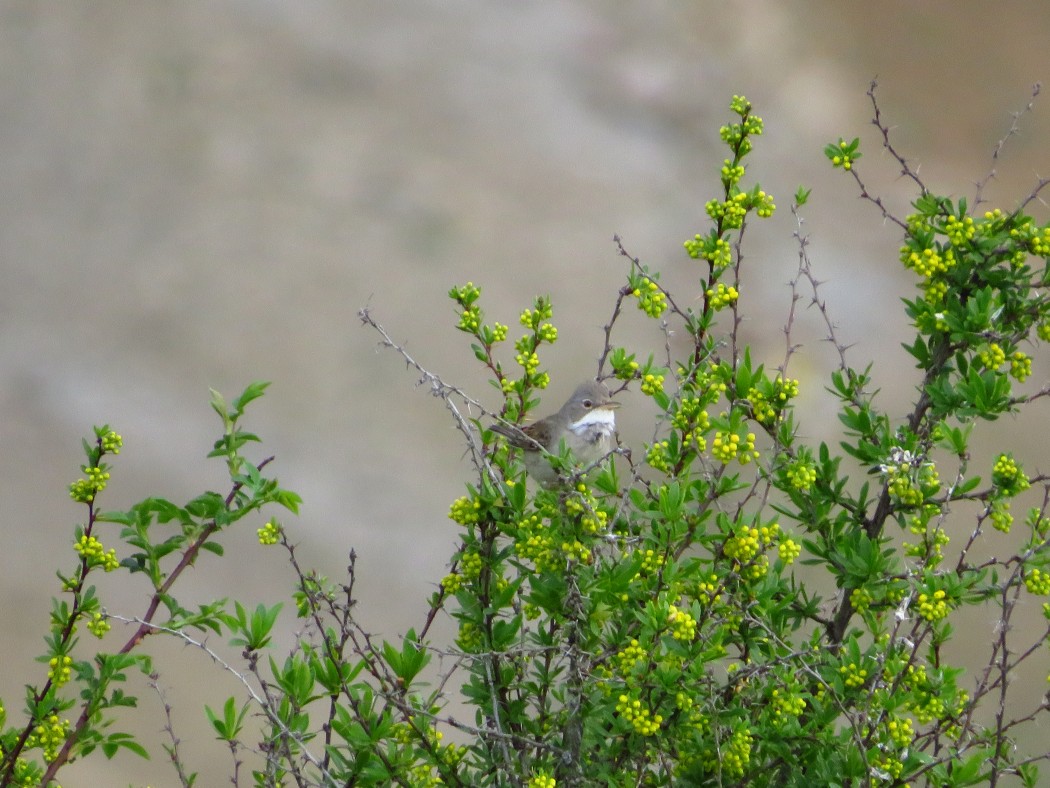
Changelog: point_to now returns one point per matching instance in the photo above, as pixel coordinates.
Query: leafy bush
(661, 616)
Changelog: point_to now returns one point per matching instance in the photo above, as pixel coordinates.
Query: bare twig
(445, 392)
(186, 780)
(1014, 130)
(884, 130)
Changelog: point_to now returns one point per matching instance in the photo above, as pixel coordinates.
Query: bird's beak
(611, 404)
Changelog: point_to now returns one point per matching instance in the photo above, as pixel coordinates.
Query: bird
(586, 423)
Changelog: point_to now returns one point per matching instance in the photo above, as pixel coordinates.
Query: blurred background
(204, 194)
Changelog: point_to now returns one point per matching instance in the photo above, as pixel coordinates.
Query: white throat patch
(600, 420)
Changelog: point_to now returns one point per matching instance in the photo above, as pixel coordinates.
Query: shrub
(661, 616)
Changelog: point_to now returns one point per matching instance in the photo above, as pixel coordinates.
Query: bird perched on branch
(586, 423)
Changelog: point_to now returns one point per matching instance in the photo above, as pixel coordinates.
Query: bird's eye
(588, 404)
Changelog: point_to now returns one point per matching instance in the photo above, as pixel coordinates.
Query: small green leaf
(118, 741)
(229, 725)
(252, 392)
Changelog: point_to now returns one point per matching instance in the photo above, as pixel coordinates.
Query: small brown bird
(587, 424)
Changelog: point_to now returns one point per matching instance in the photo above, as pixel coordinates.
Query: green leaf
(251, 392)
(409, 661)
(229, 725)
(253, 631)
(671, 498)
(118, 741)
(1029, 773)
(744, 378)
(295, 678)
(206, 506)
(505, 632)
(218, 404)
